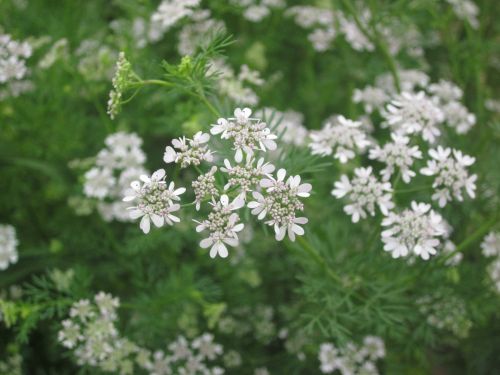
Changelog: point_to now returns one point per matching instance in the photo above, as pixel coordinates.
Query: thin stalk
(318, 258)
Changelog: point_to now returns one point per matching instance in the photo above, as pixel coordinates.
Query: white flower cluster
(352, 359)
(451, 176)
(189, 151)
(92, 335)
(13, 69)
(277, 199)
(491, 249)
(168, 13)
(421, 108)
(116, 166)
(193, 34)
(248, 133)
(155, 199)
(466, 10)
(235, 86)
(446, 312)
(257, 10)
(8, 246)
(365, 192)
(342, 139)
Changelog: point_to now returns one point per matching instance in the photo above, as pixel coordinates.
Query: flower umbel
(189, 151)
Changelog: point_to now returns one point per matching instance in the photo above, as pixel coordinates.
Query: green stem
(318, 258)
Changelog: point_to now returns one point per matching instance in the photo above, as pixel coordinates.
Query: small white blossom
(206, 346)
(169, 12)
(70, 334)
(281, 202)
(8, 246)
(396, 154)
(413, 231)
(289, 125)
(458, 117)
(155, 201)
(491, 245)
(342, 139)
(98, 182)
(446, 91)
(222, 223)
(364, 192)
(451, 176)
(189, 151)
(372, 98)
(466, 10)
(414, 113)
(353, 35)
(248, 134)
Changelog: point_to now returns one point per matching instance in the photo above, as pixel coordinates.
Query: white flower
(223, 226)
(98, 182)
(206, 346)
(396, 154)
(322, 38)
(451, 175)
(107, 305)
(446, 91)
(364, 193)
(248, 134)
(155, 201)
(414, 113)
(353, 35)
(246, 177)
(123, 151)
(180, 349)
(281, 203)
(458, 117)
(289, 125)
(409, 80)
(342, 140)
(494, 273)
(70, 334)
(8, 246)
(329, 358)
(190, 151)
(204, 187)
(13, 55)
(491, 245)
(169, 12)
(372, 98)
(374, 347)
(413, 231)
(82, 310)
(466, 10)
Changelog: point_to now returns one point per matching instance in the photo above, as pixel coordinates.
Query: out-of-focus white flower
(466, 10)
(342, 139)
(248, 134)
(280, 203)
(372, 98)
(155, 201)
(98, 182)
(321, 39)
(353, 35)
(396, 154)
(409, 80)
(458, 117)
(223, 226)
(8, 246)
(413, 231)
(289, 126)
(414, 113)
(446, 91)
(364, 192)
(451, 176)
(206, 346)
(13, 56)
(491, 245)
(169, 12)
(189, 151)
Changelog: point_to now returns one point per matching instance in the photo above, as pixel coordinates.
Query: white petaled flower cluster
(411, 113)
(188, 151)
(354, 35)
(341, 139)
(280, 203)
(491, 249)
(169, 12)
(248, 134)
(451, 176)
(352, 359)
(13, 69)
(223, 226)
(186, 358)
(8, 246)
(257, 10)
(155, 201)
(92, 335)
(193, 34)
(246, 176)
(364, 192)
(235, 86)
(372, 98)
(116, 166)
(319, 20)
(466, 10)
(446, 312)
(396, 154)
(416, 231)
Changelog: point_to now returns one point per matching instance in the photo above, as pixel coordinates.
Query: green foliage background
(166, 283)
